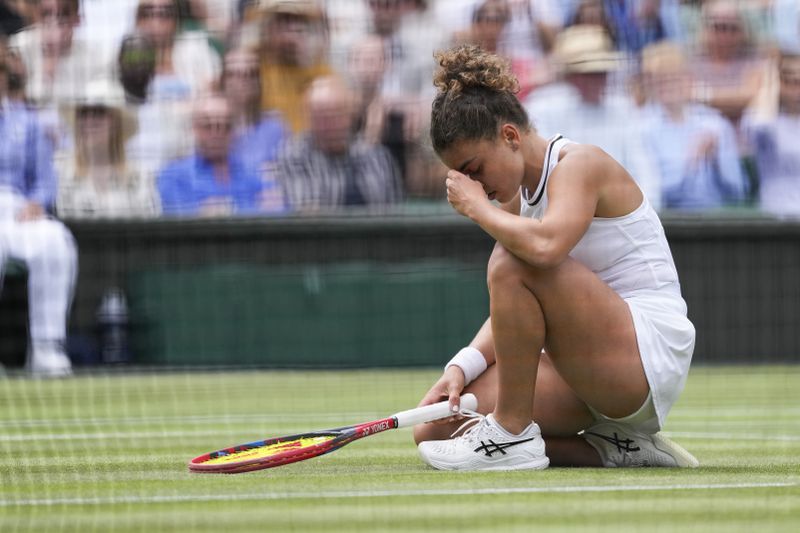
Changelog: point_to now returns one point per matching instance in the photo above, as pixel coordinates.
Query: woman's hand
(465, 194)
(448, 387)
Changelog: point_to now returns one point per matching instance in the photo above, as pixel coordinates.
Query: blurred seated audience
(636, 23)
(776, 143)
(164, 131)
(409, 34)
(30, 235)
(186, 64)
(694, 146)
(293, 53)
(57, 62)
(329, 167)
(526, 38)
(16, 76)
(727, 69)
(586, 108)
(212, 181)
(95, 179)
(256, 134)
(489, 23)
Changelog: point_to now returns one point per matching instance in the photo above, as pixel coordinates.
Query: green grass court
(108, 452)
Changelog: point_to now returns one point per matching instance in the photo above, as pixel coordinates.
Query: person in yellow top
(293, 41)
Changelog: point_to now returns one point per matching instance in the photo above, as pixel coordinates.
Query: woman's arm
(573, 195)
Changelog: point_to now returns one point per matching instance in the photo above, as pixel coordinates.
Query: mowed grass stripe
(111, 438)
(382, 494)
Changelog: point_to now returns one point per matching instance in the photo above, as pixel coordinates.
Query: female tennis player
(587, 334)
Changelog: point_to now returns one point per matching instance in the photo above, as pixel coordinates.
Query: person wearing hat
(28, 234)
(588, 105)
(96, 180)
(293, 43)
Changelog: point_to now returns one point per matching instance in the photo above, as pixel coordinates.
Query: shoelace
(473, 422)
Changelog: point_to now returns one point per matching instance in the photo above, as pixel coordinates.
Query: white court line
(232, 432)
(190, 498)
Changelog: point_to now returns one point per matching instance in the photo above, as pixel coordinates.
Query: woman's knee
(503, 266)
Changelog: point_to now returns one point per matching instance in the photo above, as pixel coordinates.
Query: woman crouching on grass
(588, 333)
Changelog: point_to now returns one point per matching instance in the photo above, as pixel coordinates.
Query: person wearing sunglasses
(213, 181)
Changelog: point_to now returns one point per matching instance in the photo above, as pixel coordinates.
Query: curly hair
(476, 94)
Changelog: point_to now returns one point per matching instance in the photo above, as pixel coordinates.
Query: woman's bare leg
(585, 326)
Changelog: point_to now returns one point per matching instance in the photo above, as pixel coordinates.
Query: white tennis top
(629, 253)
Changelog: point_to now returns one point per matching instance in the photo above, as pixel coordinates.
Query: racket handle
(435, 411)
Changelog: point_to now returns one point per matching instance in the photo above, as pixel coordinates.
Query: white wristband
(471, 361)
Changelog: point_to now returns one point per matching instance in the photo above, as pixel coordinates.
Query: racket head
(272, 452)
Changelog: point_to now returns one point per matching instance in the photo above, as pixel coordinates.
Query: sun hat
(586, 48)
(103, 93)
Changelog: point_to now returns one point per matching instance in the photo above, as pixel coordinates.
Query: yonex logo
(491, 447)
(623, 445)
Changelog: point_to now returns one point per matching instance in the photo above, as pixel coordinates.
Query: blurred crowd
(142, 108)
(156, 108)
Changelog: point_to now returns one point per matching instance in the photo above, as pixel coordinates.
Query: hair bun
(469, 66)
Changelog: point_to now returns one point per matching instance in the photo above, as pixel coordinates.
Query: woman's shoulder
(580, 153)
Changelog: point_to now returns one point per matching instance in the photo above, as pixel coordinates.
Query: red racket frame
(342, 436)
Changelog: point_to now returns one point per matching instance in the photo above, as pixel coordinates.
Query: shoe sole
(539, 464)
(683, 458)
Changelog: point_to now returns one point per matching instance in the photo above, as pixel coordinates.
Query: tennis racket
(281, 451)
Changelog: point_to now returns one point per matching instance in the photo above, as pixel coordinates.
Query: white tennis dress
(631, 255)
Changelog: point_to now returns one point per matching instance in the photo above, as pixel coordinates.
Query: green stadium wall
(400, 288)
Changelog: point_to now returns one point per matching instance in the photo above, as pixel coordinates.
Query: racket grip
(435, 411)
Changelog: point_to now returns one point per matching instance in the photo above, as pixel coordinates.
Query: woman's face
(158, 20)
(490, 20)
(499, 168)
(790, 85)
(242, 77)
(94, 124)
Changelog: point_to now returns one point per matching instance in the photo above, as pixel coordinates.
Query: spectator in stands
(28, 234)
(293, 40)
(366, 65)
(489, 18)
(489, 23)
(775, 142)
(58, 64)
(164, 123)
(212, 182)
(694, 146)
(256, 134)
(95, 178)
(186, 64)
(328, 167)
(582, 108)
(637, 23)
(727, 71)
(16, 76)
(410, 34)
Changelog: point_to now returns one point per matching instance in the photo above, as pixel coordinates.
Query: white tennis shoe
(487, 446)
(623, 446)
